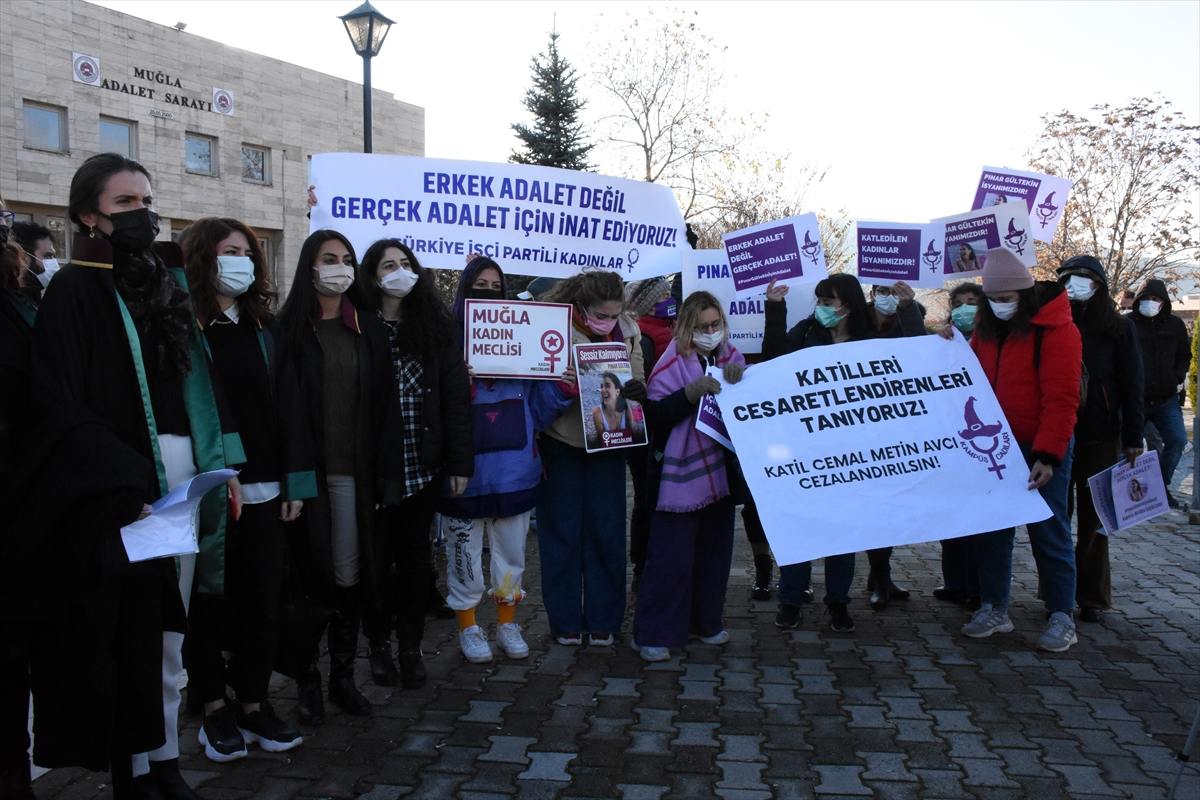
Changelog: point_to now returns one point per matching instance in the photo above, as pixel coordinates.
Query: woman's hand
(312, 196)
(146, 509)
(471, 371)
(946, 331)
(472, 256)
(634, 390)
(1040, 475)
(289, 510)
(733, 372)
(904, 293)
(1131, 454)
(569, 376)
(458, 485)
(776, 293)
(698, 388)
(235, 498)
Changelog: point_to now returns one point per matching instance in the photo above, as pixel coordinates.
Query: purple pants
(687, 571)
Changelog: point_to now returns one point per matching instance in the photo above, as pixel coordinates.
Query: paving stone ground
(903, 708)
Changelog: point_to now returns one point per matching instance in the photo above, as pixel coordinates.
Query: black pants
(639, 520)
(402, 533)
(245, 620)
(14, 702)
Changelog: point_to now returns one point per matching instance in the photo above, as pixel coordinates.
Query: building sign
(85, 69)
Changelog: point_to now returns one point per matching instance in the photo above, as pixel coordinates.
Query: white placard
(787, 251)
(848, 447)
(969, 236)
(170, 530)
(708, 270)
(534, 220)
(517, 339)
(888, 252)
(1125, 496)
(1045, 196)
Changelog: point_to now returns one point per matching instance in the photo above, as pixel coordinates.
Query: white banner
(534, 220)
(969, 236)
(868, 444)
(708, 270)
(516, 339)
(1044, 196)
(787, 251)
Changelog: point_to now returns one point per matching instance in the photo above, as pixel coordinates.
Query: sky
(901, 103)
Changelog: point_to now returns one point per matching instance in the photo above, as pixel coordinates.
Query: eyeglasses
(711, 327)
(7, 218)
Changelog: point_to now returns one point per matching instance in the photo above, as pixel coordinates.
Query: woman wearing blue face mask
(236, 597)
(841, 315)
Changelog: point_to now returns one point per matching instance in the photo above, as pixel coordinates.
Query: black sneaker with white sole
(220, 736)
(839, 618)
(267, 730)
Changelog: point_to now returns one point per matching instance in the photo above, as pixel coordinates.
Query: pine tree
(556, 138)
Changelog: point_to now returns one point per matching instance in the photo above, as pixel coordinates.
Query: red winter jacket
(1040, 406)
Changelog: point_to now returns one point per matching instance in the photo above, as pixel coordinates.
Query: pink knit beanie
(1003, 272)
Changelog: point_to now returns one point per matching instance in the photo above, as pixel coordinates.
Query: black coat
(779, 341)
(447, 443)
(1114, 390)
(311, 557)
(1166, 346)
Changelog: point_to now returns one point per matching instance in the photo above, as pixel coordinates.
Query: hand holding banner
(857, 446)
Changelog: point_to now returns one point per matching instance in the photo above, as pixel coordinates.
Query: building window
(256, 164)
(45, 127)
(118, 136)
(201, 155)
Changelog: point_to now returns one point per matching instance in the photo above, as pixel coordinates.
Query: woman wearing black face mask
(116, 342)
(425, 443)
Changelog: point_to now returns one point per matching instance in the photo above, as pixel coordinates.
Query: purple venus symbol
(1016, 238)
(1047, 210)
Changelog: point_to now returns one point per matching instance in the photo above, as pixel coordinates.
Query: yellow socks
(505, 613)
(465, 618)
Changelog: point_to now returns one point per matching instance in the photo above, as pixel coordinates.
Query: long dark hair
(154, 299)
(989, 326)
(296, 314)
(845, 287)
(611, 377)
(469, 276)
(426, 324)
(199, 242)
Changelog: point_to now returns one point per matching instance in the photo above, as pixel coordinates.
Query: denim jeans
(1168, 419)
(581, 538)
(839, 574)
(1053, 548)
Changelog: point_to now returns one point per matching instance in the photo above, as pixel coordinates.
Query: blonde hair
(689, 317)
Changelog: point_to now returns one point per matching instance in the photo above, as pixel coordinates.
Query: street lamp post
(367, 29)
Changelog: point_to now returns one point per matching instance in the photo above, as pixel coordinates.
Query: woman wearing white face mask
(581, 512)
(1110, 418)
(896, 312)
(688, 485)
(426, 443)
(1030, 350)
(344, 366)
(240, 569)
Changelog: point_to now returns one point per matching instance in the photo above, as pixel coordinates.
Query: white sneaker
(651, 653)
(988, 620)
(474, 644)
(720, 637)
(1059, 634)
(508, 636)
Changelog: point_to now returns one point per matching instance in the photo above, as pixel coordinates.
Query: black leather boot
(761, 590)
(383, 669)
(881, 591)
(343, 648)
(412, 668)
(309, 705)
(171, 784)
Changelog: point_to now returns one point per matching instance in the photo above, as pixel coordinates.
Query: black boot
(412, 668)
(383, 669)
(309, 705)
(881, 593)
(343, 648)
(171, 784)
(761, 590)
(15, 783)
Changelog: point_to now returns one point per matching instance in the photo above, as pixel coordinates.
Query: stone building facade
(223, 131)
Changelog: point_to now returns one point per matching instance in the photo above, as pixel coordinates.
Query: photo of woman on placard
(967, 261)
(613, 414)
(1136, 492)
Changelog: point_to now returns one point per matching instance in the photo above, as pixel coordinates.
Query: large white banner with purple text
(532, 220)
(859, 445)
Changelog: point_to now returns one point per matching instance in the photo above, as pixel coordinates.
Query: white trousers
(464, 559)
(180, 466)
(344, 510)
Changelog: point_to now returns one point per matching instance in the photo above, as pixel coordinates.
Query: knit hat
(1085, 266)
(640, 296)
(1003, 272)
